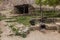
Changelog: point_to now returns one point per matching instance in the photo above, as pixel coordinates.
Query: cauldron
(32, 22)
(42, 26)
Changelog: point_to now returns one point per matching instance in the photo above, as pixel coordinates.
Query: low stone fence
(48, 27)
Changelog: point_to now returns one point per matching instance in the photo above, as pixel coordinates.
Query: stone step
(10, 20)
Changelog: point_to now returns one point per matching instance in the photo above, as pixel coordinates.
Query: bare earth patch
(34, 35)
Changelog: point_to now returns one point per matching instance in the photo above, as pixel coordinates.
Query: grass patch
(47, 13)
(1, 17)
(11, 21)
(24, 19)
(1, 1)
(50, 14)
(1, 31)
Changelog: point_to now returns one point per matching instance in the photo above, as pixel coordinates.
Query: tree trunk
(41, 9)
(53, 15)
(54, 9)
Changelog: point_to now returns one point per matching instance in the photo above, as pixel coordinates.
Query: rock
(19, 25)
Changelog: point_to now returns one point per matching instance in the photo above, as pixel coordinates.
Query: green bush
(11, 26)
(17, 33)
(1, 18)
(14, 29)
(20, 34)
(24, 35)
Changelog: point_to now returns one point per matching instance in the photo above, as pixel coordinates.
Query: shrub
(1, 18)
(11, 26)
(14, 29)
(23, 35)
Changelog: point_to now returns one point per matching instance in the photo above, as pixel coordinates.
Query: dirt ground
(34, 35)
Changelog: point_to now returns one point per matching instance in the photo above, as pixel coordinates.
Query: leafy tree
(40, 3)
(53, 3)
